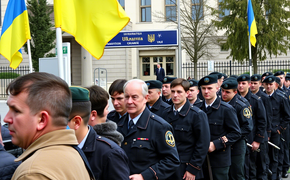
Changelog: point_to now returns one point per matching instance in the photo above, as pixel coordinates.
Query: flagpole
(59, 52)
(29, 55)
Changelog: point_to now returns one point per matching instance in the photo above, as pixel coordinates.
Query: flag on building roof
(92, 23)
(252, 27)
(15, 32)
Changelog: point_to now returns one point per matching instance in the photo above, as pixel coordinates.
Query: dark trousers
(286, 160)
(220, 173)
(257, 164)
(273, 155)
(247, 163)
(237, 163)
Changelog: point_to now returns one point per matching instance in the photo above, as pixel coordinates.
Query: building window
(225, 12)
(122, 3)
(145, 10)
(170, 65)
(197, 9)
(170, 10)
(146, 66)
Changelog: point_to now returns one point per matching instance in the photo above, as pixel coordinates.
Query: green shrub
(8, 75)
(276, 70)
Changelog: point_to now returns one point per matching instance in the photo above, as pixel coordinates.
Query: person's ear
(43, 120)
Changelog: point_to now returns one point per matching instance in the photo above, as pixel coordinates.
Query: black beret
(256, 77)
(193, 82)
(277, 79)
(218, 74)
(207, 80)
(266, 74)
(230, 83)
(244, 77)
(287, 76)
(278, 73)
(79, 94)
(154, 84)
(168, 80)
(224, 75)
(269, 79)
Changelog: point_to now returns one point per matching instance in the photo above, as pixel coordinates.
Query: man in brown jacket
(39, 106)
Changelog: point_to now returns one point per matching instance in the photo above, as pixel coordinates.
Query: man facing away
(148, 139)
(39, 106)
(191, 132)
(106, 158)
(118, 100)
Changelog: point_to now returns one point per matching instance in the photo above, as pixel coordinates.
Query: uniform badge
(256, 78)
(206, 80)
(226, 86)
(247, 113)
(165, 79)
(244, 78)
(169, 138)
(191, 83)
(148, 84)
(270, 79)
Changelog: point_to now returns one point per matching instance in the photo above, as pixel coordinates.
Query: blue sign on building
(144, 39)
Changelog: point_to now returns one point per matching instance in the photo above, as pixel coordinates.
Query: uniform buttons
(125, 143)
(100, 137)
(152, 115)
(140, 145)
(214, 123)
(182, 129)
(224, 150)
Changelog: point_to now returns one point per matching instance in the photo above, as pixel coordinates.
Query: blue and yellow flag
(252, 27)
(15, 32)
(92, 23)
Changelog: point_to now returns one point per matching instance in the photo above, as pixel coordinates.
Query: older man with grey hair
(148, 139)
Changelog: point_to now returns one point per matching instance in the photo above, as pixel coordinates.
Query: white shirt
(135, 120)
(209, 104)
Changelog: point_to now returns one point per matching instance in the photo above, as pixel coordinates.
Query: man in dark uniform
(118, 100)
(238, 150)
(107, 160)
(191, 132)
(148, 139)
(263, 157)
(280, 121)
(224, 128)
(264, 75)
(166, 92)
(256, 138)
(193, 92)
(287, 81)
(154, 102)
(219, 82)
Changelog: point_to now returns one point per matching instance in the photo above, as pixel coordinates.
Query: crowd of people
(215, 128)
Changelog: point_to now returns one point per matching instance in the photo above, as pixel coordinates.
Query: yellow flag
(93, 23)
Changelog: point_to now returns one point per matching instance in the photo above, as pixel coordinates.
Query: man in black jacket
(191, 132)
(106, 158)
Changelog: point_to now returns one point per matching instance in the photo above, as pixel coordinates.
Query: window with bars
(145, 6)
(170, 10)
(197, 9)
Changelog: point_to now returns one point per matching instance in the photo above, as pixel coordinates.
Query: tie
(207, 109)
(131, 124)
(175, 112)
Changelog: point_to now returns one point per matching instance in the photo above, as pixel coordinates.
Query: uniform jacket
(159, 75)
(106, 158)
(150, 146)
(259, 118)
(52, 156)
(165, 100)
(7, 164)
(113, 116)
(223, 121)
(281, 113)
(245, 121)
(192, 136)
(159, 107)
(269, 111)
(198, 102)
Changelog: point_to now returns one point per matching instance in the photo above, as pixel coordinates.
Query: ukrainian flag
(15, 32)
(252, 27)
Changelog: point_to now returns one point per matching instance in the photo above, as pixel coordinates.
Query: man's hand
(136, 177)
(211, 147)
(255, 145)
(188, 176)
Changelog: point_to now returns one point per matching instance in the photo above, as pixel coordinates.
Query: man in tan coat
(39, 106)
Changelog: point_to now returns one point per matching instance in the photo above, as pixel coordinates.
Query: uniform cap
(244, 77)
(269, 79)
(230, 83)
(193, 82)
(154, 84)
(287, 77)
(256, 77)
(266, 74)
(207, 80)
(278, 73)
(168, 80)
(218, 74)
(79, 94)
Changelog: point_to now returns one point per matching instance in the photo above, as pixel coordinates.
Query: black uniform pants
(273, 155)
(257, 163)
(237, 163)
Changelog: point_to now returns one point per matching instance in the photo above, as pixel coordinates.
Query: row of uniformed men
(211, 135)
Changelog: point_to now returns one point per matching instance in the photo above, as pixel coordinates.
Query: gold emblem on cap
(165, 79)
(270, 79)
(244, 78)
(206, 80)
(226, 86)
(169, 138)
(256, 78)
(148, 84)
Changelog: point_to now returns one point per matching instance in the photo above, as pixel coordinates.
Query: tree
(196, 28)
(272, 19)
(42, 35)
